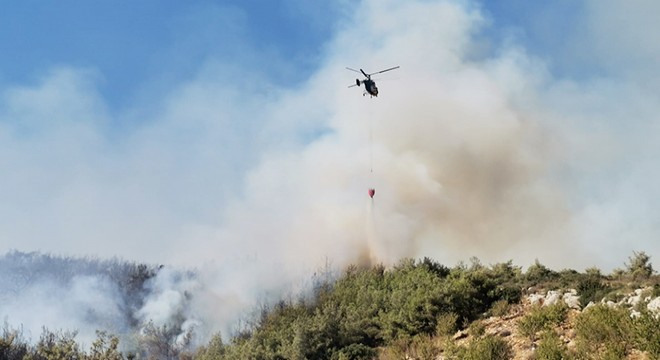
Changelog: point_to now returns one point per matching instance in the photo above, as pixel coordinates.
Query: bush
(397, 349)
(647, 333)
(12, 344)
(423, 347)
(539, 273)
(436, 268)
(356, 352)
(413, 301)
(604, 331)
(489, 347)
(105, 347)
(163, 341)
(591, 288)
(499, 308)
(550, 347)
(542, 318)
(418, 347)
(469, 293)
(446, 325)
(214, 350)
(509, 281)
(399, 310)
(58, 345)
(477, 328)
(639, 266)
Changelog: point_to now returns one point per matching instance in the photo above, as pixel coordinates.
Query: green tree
(591, 287)
(469, 293)
(539, 273)
(639, 266)
(356, 352)
(415, 300)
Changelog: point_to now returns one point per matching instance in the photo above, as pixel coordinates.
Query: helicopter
(369, 85)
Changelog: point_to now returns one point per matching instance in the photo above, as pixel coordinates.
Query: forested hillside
(424, 310)
(419, 309)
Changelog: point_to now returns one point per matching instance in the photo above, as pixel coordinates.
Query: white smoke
(85, 305)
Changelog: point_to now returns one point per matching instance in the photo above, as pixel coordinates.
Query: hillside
(423, 310)
(417, 309)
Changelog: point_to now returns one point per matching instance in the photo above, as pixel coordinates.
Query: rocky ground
(506, 326)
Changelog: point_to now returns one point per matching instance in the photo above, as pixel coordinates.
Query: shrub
(356, 352)
(468, 293)
(509, 281)
(531, 324)
(163, 341)
(214, 350)
(591, 288)
(435, 267)
(556, 314)
(604, 330)
(417, 347)
(656, 290)
(499, 308)
(397, 349)
(447, 324)
(477, 328)
(12, 344)
(593, 271)
(646, 330)
(490, 347)
(540, 318)
(413, 301)
(105, 347)
(58, 345)
(639, 266)
(550, 347)
(539, 273)
(423, 347)
(568, 278)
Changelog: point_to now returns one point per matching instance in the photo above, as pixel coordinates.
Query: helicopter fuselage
(370, 87)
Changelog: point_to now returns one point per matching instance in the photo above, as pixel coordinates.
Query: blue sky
(128, 124)
(132, 44)
(144, 46)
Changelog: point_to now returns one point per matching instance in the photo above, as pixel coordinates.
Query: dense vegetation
(368, 308)
(411, 310)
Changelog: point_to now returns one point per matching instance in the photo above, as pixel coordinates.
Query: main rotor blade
(354, 85)
(365, 74)
(382, 71)
(352, 70)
